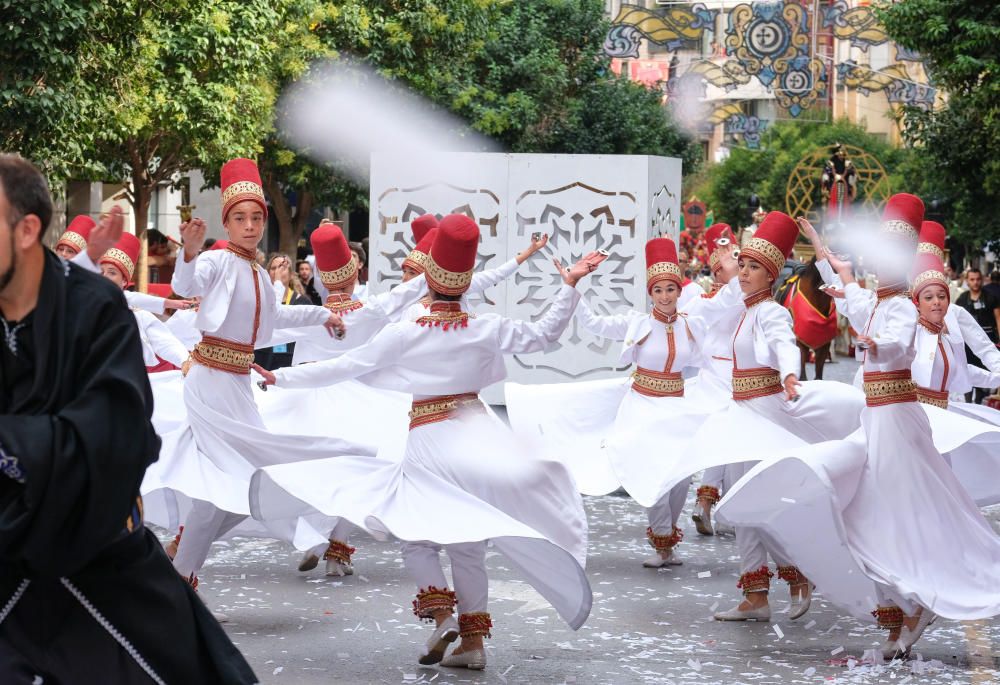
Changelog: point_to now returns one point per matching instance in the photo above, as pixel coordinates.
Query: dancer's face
(753, 276)
(245, 224)
(933, 303)
(665, 296)
(114, 275)
(66, 252)
(409, 274)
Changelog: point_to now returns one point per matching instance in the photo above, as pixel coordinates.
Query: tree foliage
(960, 141)
(765, 172)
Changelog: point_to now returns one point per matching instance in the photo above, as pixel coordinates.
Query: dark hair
(25, 189)
(973, 270)
(301, 262)
(995, 277)
(359, 250)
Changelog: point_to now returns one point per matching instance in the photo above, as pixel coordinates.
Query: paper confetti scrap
(777, 631)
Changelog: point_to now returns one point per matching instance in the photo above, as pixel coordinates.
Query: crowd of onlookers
(979, 296)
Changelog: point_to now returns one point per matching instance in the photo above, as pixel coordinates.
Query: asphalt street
(647, 626)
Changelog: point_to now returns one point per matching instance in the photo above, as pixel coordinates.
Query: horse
(814, 316)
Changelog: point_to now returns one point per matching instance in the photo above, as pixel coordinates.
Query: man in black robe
(87, 594)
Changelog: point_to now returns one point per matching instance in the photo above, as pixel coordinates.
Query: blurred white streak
(342, 113)
(866, 244)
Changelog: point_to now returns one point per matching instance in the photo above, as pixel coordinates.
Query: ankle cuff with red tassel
(192, 580)
(338, 551)
(889, 617)
(664, 543)
(791, 574)
(709, 493)
(755, 581)
(477, 623)
(431, 600)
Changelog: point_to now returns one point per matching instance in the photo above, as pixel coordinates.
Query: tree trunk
(289, 241)
(142, 193)
(279, 204)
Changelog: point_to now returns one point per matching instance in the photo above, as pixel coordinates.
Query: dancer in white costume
(714, 384)
(959, 433)
(162, 353)
(463, 479)
(858, 496)
(84, 243)
(208, 466)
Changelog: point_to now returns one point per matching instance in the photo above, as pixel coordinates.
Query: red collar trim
(757, 298)
(250, 256)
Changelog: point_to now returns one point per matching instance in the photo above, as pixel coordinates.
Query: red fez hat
(417, 259)
(334, 259)
(421, 225)
(718, 237)
(932, 235)
(452, 258)
(241, 181)
(773, 241)
(219, 245)
(928, 269)
(123, 256)
(661, 263)
(77, 233)
(903, 216)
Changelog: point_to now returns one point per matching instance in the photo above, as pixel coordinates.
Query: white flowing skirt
(877, 516)
(462, 480)
(752, 430)
(214, 453)
(971, 446)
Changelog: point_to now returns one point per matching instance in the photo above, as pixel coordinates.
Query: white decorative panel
(583, 202)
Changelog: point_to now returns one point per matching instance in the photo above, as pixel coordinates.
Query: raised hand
(535, 246)
(791, 387)
(809, 231)
(193, 237)
(335, 326)
(106, 234)
(179, 304)
(588, 263)
(269, 378)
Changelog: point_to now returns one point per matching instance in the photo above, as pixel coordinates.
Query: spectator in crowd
(993, 287)
(305, 272)
(289, 290)
(361, 289)
(985, 309)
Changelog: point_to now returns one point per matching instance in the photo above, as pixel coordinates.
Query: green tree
(423, 43)
(542, 83)
(40, 84)
(765, 172)
(959, 142)
(176, 86)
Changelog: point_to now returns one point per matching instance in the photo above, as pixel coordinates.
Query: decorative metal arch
(802, 194)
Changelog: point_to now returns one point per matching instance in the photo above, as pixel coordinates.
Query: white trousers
(715, 476)
(341, 533)
(204, 525)
(753, 545)
(468, 570)
(664, 514)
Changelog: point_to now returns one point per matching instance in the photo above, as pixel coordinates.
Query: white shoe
(443, 635)
(891, 649)
(734, 614)
(338, 569)
(656, 561)
(474, 660)
(800, 604)
(309, 561)
(908, 638)
(702, 518)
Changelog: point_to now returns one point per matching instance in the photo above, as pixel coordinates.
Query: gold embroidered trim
(663, 543)
(242, 190)
(889, 387)
(765, 252)
(338, 551)
(120, 260)
(890, 291)
(442, 408)
(715, 259)
(709, 493)
(889, 617)
(416, 260)
(931, 248)
(755, 581)
(341, 303)
(657, 383)
(757, 298)
(74, 240)
(933, 397)
(663, 271)
(444, 281)
(430, 600)
(224, 355)
(475, 623)
(791, 575)
(750, 384)
(338, 278)
(900, 228)
(242, 252)
(929, 275)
